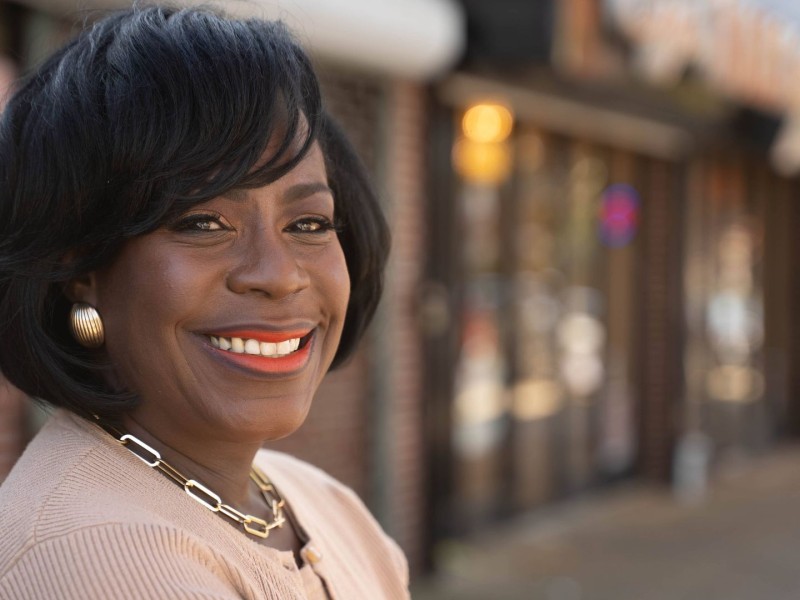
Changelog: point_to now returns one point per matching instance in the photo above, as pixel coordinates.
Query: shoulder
(116, 560)
(46, 471)
(335, 516)
(306, 481)
(68, 477)
(74, 487)
(82, 519)
(294, 468)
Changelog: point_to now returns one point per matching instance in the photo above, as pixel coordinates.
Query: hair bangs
(224, 104)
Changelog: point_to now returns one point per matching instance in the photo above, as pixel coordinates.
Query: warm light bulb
(487, 123)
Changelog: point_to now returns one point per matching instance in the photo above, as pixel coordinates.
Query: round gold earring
(86, 325)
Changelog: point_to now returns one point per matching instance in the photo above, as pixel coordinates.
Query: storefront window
(724, 292)
(542, 402)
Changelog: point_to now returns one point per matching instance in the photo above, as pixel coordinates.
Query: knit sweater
(83, 518)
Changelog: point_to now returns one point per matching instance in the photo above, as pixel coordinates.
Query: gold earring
(86, 325)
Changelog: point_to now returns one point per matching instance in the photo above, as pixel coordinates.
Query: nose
(265, 263)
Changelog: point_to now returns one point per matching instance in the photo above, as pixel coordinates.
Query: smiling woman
(187, 245)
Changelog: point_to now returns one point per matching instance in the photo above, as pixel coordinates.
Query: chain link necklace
(252, 525)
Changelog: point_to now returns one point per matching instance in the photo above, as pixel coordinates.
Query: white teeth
(252, 346)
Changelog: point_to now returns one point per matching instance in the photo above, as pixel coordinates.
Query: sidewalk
(635, 543)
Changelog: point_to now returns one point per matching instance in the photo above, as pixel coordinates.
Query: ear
(82, 289)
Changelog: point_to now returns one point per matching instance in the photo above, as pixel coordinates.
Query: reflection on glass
(533, 386)
(536, 399)
(724, 295)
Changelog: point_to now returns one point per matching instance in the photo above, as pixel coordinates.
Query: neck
(220, 465)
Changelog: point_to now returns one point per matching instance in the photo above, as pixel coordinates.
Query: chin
(282, 419)
(285, 426)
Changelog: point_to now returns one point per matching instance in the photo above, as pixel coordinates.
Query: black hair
(143, 115)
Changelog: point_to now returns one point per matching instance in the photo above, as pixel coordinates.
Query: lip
(288, 365)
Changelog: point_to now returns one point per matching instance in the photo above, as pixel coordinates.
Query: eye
(200, 222)
(312, 225)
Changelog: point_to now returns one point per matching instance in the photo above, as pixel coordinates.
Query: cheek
(147, 293)
(143, 298)
(337, 283)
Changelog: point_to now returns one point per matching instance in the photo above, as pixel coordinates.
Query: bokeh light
(486, 163)
(487, 123)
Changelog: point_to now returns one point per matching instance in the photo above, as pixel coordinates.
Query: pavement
(741, 541)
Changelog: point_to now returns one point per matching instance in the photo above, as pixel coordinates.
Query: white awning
(415, 39)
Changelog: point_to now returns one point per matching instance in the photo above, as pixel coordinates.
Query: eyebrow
(296, 192)
(303, 190)
(235, 194)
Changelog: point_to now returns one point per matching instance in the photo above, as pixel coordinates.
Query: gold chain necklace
(252, 525)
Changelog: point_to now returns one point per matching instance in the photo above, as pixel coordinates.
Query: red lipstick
(281, 365)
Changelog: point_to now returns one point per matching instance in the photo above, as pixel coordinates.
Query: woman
(187, 245)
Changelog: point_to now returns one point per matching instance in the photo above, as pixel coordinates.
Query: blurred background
(583, 379)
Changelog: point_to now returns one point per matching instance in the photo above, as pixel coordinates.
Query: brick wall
(406, 177)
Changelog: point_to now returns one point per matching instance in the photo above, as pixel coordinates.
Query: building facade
(616, 275)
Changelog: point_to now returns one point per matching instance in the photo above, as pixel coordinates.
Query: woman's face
(229, 318)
